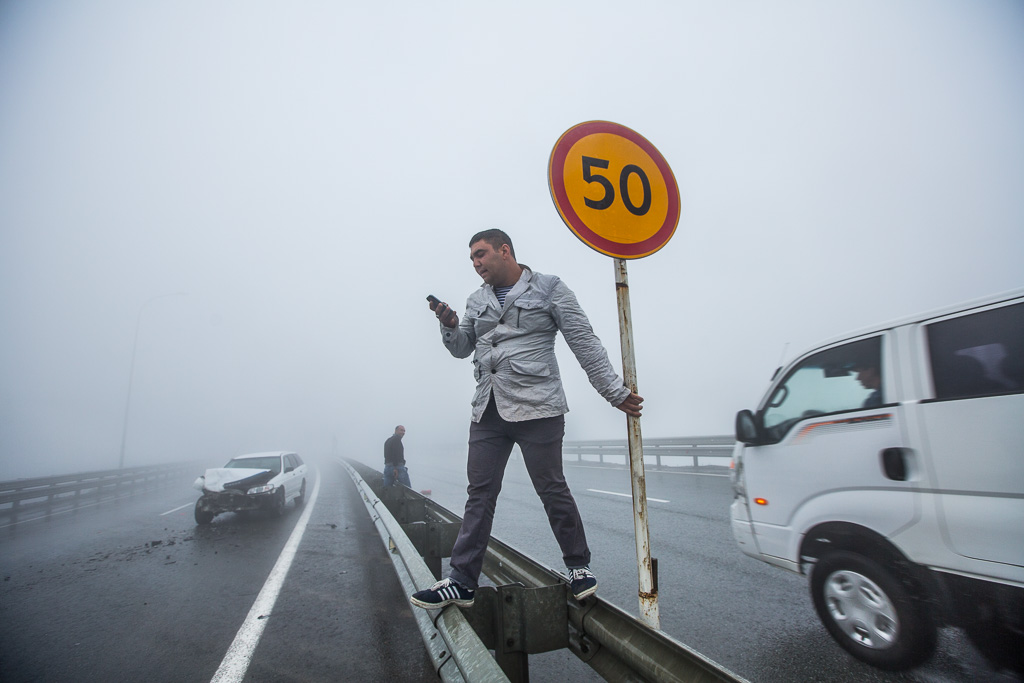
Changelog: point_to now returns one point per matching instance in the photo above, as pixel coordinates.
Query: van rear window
(980, 354)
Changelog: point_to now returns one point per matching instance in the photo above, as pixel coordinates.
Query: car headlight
(269, 488)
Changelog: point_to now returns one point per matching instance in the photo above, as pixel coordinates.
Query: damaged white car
(258, 481)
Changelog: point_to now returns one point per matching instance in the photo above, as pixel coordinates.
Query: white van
(889, 465)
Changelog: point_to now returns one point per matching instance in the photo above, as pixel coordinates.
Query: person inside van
(870, 378)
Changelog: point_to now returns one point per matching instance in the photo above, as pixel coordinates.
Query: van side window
(980, 354)
(839, 379)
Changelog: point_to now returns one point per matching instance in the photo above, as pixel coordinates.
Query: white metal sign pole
(648, 593)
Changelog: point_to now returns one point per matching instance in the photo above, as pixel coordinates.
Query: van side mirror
(746, 428)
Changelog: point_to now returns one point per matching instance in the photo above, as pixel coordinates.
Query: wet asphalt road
(132, 589)
(754, 619)
(128, 591)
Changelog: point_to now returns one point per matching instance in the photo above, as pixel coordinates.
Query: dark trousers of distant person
(490, 444)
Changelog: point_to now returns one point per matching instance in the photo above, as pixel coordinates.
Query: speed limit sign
(617, 193)
(613, 189)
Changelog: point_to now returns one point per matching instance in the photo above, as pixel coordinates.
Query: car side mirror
(288, 469)
(746, 428)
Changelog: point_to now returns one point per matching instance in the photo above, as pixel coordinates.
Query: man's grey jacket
(514, 348)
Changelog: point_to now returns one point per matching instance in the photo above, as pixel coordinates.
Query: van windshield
(839, 379)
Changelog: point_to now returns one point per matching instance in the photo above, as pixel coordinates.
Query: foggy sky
(266, 192)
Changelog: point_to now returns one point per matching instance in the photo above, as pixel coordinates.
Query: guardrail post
(434, 541)
(516, 621)
(406, 509)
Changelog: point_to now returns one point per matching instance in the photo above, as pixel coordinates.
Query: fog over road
(132, 589)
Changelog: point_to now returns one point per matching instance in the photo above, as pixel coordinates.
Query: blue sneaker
(582, 583)
(443, 593)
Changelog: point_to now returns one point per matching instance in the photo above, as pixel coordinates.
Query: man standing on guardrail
(394, 459)
(509, 326)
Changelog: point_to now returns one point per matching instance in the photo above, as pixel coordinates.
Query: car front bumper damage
(229, 500)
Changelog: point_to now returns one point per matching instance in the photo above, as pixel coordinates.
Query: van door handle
(894, 463)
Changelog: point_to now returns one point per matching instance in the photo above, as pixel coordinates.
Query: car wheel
(202, 516)
(871, 613)
(279, 503)
(301, 498)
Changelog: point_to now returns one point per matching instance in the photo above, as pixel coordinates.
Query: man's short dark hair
(495, 238)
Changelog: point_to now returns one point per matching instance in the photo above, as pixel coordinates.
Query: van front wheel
(870, 612)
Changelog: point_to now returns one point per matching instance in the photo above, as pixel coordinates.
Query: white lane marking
(692, 474)
(625, 495)
(239, 655)
(176, 509)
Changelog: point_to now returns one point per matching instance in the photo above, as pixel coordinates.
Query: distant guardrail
(683, 447)
(70, 488)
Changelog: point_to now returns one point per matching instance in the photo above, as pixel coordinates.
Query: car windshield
(270, 462)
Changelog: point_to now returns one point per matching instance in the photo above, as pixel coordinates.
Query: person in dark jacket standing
(509, 328)
(394, 459)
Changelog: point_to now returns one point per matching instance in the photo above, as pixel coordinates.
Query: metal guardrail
(694, 447)
(530, 609)
(458, 655)
(70, 488)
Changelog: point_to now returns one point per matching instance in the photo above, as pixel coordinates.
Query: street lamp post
(131, 371)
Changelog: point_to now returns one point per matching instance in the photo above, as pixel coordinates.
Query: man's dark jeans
(396, 473)
(490, 444)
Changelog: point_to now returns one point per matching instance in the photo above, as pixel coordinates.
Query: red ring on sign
(573, 220)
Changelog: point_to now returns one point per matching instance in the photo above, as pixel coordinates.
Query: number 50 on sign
(613, 189)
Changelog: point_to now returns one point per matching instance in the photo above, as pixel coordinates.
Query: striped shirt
(500, 292)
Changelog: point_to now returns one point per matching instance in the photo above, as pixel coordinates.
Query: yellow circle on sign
(605, 166)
